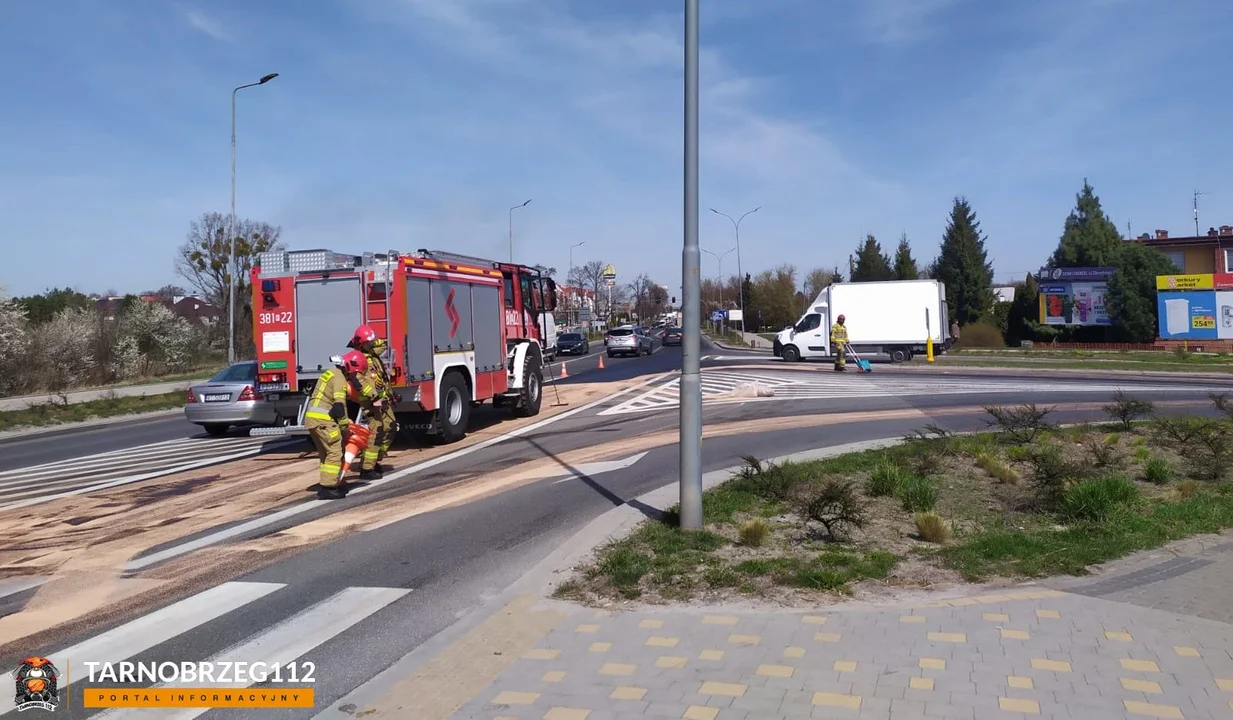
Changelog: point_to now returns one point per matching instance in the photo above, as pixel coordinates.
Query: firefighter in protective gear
(839, 343)
(381, 420)
(326, 419)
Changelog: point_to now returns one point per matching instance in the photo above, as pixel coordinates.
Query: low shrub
(932, 527)
(885, 479)
(775, 483)
(1096, 500)
(753, 532)
(1156, 470)
(832, 503)
(997, 469)
(918, 494)
(1051, 473)
(1126, 409)
(1020, 425)
(1104, 454)
(980, 335)
(1187, 488)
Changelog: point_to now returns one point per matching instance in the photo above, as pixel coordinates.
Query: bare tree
(167, 292)
(815, 281)
(648, 297)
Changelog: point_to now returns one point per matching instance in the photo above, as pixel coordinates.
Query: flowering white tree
(64, 356)
(159, 335)
(13, 344)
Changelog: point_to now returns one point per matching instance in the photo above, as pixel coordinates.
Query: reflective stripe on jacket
(331, 388)
(839, 334)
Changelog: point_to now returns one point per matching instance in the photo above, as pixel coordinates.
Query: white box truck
(891, 318)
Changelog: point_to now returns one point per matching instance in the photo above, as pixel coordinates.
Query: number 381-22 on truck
(459, 331)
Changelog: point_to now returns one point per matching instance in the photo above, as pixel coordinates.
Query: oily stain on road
(85, 558)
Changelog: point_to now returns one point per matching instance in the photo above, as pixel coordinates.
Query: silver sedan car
(629, 341)
(229, 399)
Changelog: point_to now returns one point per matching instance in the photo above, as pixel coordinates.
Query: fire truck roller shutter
(452, 327)
(419, 354)
(489, 346)
(327, 311)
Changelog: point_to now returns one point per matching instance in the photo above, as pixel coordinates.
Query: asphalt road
(431, 569)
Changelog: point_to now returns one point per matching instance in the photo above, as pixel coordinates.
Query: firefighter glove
(338, 412)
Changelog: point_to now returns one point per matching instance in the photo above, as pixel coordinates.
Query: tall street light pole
(231, 266)
(740, 286)
(569, 274)
(691, 368)
(511, 229)
(719, 259)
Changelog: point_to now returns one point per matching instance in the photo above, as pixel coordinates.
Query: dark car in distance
(673, 336)
(573, 344)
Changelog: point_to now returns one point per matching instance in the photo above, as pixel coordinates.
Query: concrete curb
(84, 426)
(724, 346)
(964, 368)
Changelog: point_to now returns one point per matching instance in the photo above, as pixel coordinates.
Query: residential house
(1195, 255)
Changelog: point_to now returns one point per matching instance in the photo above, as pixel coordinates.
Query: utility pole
(736, 225)
(691, 303)
(569, 278)
(1196, 211)
(231, 265)
(511, 229)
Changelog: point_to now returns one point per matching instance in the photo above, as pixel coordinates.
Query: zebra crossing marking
(285, 642)
(39, 484)
(717, 384)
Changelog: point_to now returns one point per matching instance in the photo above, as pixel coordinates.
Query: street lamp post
(231, 266)
(740, 287)
(569, 279)
(511, 229)
(719, 259)
(690, 421)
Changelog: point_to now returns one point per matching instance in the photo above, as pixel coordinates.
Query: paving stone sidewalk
(1026, 653)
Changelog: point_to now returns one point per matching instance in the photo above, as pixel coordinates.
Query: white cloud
(207, 25)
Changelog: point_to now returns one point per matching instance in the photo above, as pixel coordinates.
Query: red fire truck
(460, 330)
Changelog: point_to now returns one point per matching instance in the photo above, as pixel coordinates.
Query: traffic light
(674, 299)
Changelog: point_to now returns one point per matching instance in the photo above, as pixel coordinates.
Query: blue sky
(413, 123)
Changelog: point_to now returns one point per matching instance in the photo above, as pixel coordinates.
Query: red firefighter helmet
(841, 319)
(355, 362)
(362, 334)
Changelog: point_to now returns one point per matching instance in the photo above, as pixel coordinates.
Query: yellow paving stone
(617, 669)
(987, 599)
(829, 699)
(661, 641)
(912, 619)
(719, 620)
(1118, 636)
(745, 639)
(947, 637)
(932, 664)
(844, 666)
(541, 654)
(1169, 712)
(504, 717)
(1226, 685)
(1143, 686)
(827, 637)
(711, 655)
(814, 620)
(626, 692)
(793, 652)
(1054, 665)
(1020, 705)
(726, 689)
(920, 683)
(1015, 634)
(1019, 682)
(587, 629)
(671, 661)
(1186, 651)
(563, 713)
(553, 676)
(1048, 614)
(1140, 665)
(600, 647)
(515, 698)
(1040, 594)
(651, 624)
(700, 712)
(776, 670)
(995, 617)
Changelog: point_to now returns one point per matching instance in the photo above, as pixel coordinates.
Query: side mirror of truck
(552, 294)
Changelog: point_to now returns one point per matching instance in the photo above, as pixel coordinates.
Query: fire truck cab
(459, 331)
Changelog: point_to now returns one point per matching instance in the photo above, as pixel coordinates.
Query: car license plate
(218, 398)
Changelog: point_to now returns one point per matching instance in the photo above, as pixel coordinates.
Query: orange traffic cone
(601, 362)
(564, 372)
(357, 440)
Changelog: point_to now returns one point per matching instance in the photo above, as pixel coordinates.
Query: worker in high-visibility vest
(326, 419)
(382, 423)
(839, 343)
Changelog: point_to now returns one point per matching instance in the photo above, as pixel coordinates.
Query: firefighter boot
(331, 493)
(370, 475)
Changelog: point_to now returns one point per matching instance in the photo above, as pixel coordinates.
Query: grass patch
(47, 414)
(1026, 499)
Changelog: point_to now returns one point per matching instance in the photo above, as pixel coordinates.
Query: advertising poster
(1185, 282)
(1089, 304)
(1056, 304)
(1187, 315)
(1224, 315)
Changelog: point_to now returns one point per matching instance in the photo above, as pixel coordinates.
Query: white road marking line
(14, 585)
(162, 448)
(155, 628)
(109, 469)
(303, 507)
(146, 476)
(284, 643)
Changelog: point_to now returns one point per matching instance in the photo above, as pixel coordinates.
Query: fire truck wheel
(532, 393)
(453, 410)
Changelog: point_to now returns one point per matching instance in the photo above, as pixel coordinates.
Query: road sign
(610, 282)
(717, 316)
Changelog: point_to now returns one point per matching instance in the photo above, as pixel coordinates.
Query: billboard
(1189, 315)
(1074, 303)
(1185, 282)
(1224, 315)
(1067, 275)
